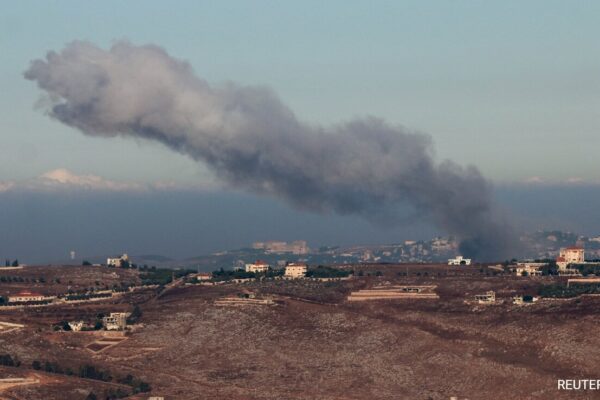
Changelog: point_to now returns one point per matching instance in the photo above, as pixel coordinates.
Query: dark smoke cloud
(253, 141)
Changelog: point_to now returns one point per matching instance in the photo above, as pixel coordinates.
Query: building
(297, 247)
(488, 297)
(115, 321)
(459, 260)
(295, 270)
(117, 261)
(570, 255)
(26, 296)
(259, 266)
(204, 276)
(528, 270)
(77, 326)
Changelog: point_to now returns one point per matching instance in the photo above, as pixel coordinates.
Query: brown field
(316, 345)
(58, 279)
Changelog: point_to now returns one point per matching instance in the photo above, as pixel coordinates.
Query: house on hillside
(295, 270)
(459, 260)
(117, 261)
(115, 321)
(258, 267)
(27, 296)
(570, 255)
(487, 298)
(203, 276)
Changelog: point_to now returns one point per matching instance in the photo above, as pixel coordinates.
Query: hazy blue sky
(512, 87)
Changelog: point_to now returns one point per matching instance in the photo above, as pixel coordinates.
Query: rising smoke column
(251, 140)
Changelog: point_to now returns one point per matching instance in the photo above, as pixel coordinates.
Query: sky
(511, 87)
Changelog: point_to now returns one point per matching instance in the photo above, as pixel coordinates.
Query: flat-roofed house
(570, 255)
(459, 260)
(26, 296)
(117, 261)
(257, 267)
(295, 270)
(115, 321)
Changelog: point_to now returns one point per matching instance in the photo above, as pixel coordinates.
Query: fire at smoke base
(252, 141)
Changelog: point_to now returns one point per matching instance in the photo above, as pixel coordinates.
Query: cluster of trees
(8, 263)
(138, 385)
(9, 361)
(562, 291)
(41, 279)
(588, 269)
(327, 272)
(227, 275)
(376, 273)
(162, 276)
(135, 315)
(86, 296)
(86, 371)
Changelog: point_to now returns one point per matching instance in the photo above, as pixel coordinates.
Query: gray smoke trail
(253, 141)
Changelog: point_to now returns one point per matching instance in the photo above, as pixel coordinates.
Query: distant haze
(43, 226)
(252, 141)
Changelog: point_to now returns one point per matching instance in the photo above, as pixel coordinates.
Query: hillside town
(94, 313)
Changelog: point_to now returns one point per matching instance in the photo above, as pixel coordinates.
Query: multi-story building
(115, 321)
(570, 255)
(296, 247)
(258, 267)
(117, 261)
(295, 270)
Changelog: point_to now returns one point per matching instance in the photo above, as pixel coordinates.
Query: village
(119, 310)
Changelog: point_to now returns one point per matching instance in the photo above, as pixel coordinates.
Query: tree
(91, 396)
(135, 315)
(36, 365)
(15, 263)
(86, 263)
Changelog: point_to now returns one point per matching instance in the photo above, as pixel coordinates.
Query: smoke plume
(251, 140)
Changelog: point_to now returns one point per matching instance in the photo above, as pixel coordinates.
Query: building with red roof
(257, 267)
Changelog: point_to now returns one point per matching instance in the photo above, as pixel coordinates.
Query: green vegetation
(138, 386)
(587, 269)
(86, 296)
(326, 272)
(227, 275)
(135, 315)
(8, 361)
(562, 291)
(550, 269)
(85, 371)
(161, 276)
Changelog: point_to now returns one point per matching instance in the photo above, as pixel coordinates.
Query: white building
(294, 270)
(570, 255)
(459, 260)
(488, 297)
(258, 267)
(528, 270)
(26, 296)
(117, 261)
(296, 247)
(77, 326)
(115, 321)
(204, 276)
